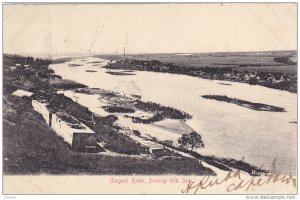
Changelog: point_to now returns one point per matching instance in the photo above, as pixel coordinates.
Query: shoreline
(275, 80)
(81, 112)
(18, 111)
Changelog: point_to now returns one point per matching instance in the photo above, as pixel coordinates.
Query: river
(227, 130)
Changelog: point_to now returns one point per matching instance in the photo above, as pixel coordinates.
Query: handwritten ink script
(235, 181)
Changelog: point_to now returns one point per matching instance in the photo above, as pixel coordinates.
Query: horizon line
(141, 53)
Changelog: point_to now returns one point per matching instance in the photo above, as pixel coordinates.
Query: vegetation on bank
(47, 86)
(226, 164)
(30, 146)
(252, 61)
(108, 133)
(123, 104)
(276, 80)
(119, 73)
(37, 77)
(117, 109)
(246, 104)
(161, 112)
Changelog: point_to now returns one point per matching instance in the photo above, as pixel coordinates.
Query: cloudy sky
(148, 28)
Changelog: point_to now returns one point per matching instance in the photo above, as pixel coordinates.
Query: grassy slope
(31, 147)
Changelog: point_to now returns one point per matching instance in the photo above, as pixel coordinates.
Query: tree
(191, 140)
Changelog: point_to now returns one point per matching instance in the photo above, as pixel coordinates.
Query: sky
(148, 28)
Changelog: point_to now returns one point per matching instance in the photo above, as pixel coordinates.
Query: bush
(117, 109)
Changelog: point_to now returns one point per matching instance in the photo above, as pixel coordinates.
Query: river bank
(109, 134)
(224, 126)
(26, 151)
(264, 77)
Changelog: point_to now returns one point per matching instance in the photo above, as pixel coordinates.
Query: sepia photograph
(149, 98)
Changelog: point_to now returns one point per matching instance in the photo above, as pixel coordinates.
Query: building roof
(152, 145)
(22, 93)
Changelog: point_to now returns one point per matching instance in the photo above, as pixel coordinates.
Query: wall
(77, 138)
(62, 129)
(42, 109)
(157, 152)
(80, 140)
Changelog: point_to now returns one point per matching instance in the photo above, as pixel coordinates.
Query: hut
(22, 93)
(157, 151)
(154, 148)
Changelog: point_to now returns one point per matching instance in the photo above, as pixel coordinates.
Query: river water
(227, 130)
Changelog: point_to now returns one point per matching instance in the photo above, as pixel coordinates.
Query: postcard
(150, 98)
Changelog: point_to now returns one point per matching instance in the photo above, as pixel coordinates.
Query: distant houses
(153, 147)
(19, 66)
(16, 67)
(13, 69)
(157, 151)
(22, 93)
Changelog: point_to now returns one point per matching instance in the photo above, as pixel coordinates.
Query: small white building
(154, 148)
(22, 93)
